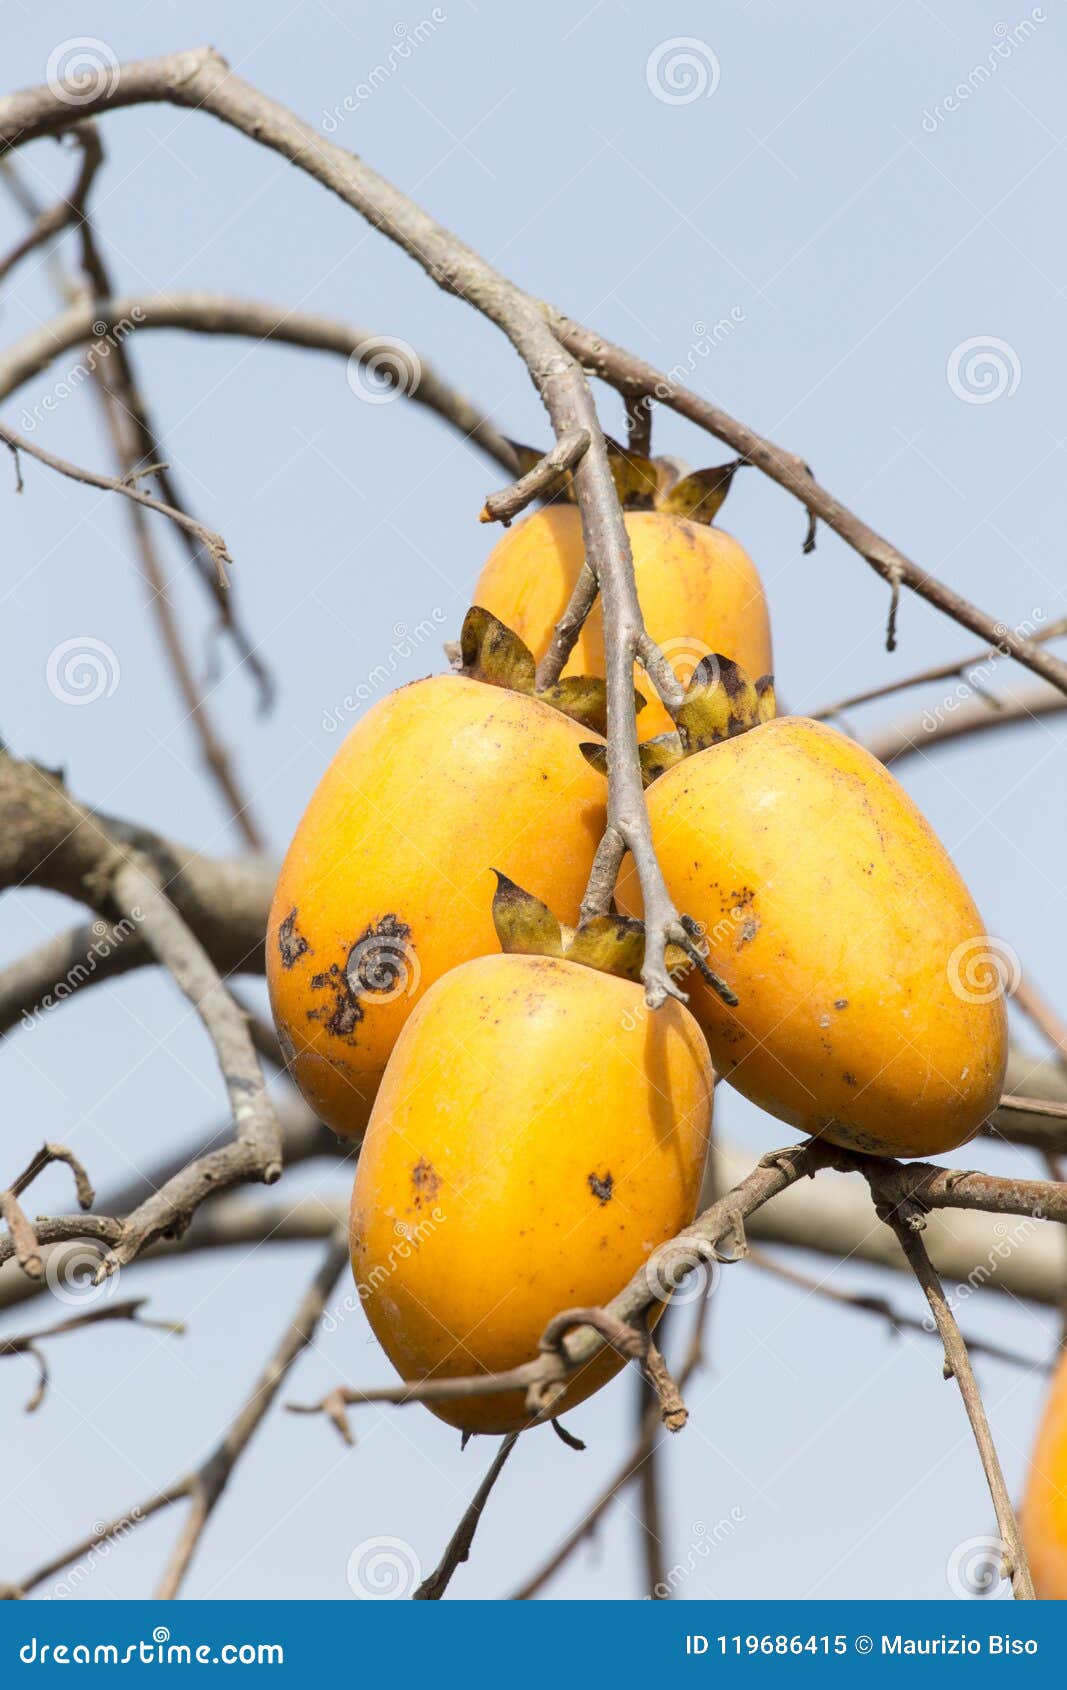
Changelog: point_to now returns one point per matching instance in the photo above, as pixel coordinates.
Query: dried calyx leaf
(699, 496)
(492, 653)
(722, 701)
(656, 756)
(613, 944)
(647, 484)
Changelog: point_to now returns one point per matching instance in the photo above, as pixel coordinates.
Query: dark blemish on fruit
(849, 1079)
(343, 1015)
(749, 929)
(425, 1181)
(840, 1003)
(602, 1187)
(382, 960)
(291, 944)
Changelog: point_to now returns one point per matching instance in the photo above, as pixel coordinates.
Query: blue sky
(861, 227)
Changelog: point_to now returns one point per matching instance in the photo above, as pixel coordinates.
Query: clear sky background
(860, 234)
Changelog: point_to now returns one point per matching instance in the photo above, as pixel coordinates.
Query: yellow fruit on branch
(699, 591)
(387, 883)
(1044, 1510)
(869, 1004)
(537, 1134)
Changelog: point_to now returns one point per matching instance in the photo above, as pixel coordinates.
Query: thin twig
(215, 544)
(906, 1221)
(629, 374)
(459, 1547)
(940, 672)
(215, 314)
(70, 209)
(204, 1485)
(505, 505)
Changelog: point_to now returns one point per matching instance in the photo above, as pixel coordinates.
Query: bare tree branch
(433, 1588)
(215, 544)
(70, 209)
(205, 1484)
(905, 1218)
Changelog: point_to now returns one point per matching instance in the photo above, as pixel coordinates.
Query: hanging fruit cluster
(532, 1131)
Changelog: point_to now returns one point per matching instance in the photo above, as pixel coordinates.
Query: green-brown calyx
(720, 702)
(492, 653)
(647, 484)
(611, 944)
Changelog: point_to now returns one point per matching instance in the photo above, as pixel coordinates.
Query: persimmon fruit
(537, 1134)
(699, 590)
(1044, 1512)
(387, 882)
(869, 1000)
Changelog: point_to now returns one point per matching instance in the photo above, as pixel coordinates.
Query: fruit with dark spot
(858, 906)
(516, 1076)
(390, 869)
(699, 591)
